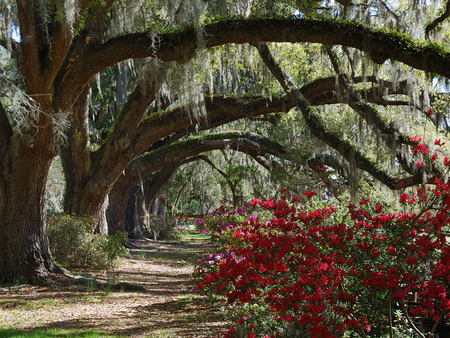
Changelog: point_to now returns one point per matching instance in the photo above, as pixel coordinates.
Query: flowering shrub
(311, 270)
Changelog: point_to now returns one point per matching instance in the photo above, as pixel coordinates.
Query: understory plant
(303, 267)
(74, 244)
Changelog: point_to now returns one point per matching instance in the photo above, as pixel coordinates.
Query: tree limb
(225, 109)
(345, 148)
(390, 134)
(441, 18)
(181, 46)
(177, 152)
(30, 35)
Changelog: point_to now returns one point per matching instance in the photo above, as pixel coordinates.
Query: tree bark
(181, 46)
(132, 219)
(82, 197)
(24, 251)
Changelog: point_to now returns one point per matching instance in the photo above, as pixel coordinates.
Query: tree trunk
(84, 196)
(132, 219)
(88, 204)
(24, 250)
(125, 206)
(116, 214)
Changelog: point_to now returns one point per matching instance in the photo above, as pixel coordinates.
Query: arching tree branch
(389, 133)
(181, 46)
(346, 149)
(192, 146)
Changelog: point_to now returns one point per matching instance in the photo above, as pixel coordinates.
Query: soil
(167, 305)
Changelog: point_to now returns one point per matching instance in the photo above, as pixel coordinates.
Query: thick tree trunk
(88, 204)
(24, 251)
(126, 205)
(84, 196)
(119, 198)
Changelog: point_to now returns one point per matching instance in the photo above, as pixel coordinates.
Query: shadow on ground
(168, 307)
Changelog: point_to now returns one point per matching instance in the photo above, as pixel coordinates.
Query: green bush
(74, 244)
(159, 228)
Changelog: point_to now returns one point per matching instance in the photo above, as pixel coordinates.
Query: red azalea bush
(312, 270)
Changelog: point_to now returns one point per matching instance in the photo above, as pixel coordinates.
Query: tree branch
(345, 148)
(225, 109)
(127, 124)
(181, 46)
(30, 35)
(390, 134)
(177, 152)
(445, 13)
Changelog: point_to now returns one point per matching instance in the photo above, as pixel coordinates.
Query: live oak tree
(59, 46)
(161, 162)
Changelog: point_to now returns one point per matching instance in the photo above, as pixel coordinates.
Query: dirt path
(168, 307)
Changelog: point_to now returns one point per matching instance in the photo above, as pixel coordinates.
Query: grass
(162, 333)
(52, 333)
(192, 234)
(182, 303)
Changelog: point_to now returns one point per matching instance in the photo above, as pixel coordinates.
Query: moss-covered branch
(317, 128)
(180, 46)
(445, 13)
(176, 152)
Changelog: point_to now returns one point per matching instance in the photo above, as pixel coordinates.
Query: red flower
(411, 260)
(421, 148)
(419, 163)
(438, 142)
(430, 112)
(392, 250)
(310, 193)
(416, 139)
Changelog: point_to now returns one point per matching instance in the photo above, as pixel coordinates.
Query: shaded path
(168, 307)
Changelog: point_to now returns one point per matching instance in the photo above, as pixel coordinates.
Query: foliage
(314, 268)
(74, 244)
(158, 227)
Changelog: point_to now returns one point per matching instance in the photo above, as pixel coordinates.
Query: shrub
(74, 244)
(157, 227)
(310, 269)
